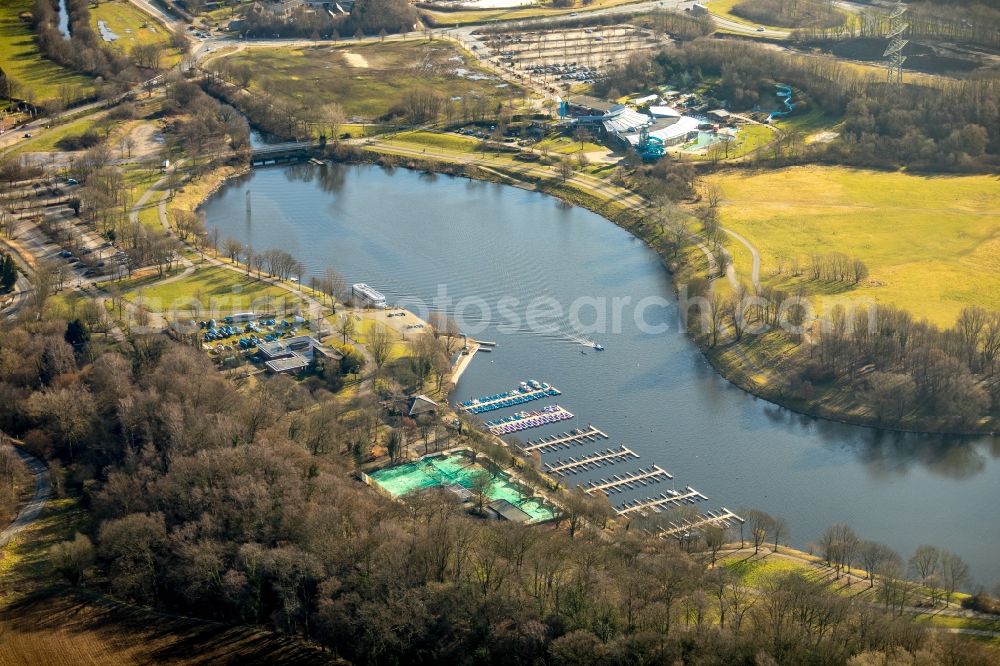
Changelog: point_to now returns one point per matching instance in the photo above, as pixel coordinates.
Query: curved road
(43, 490)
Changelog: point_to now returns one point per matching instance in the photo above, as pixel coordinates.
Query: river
(408, 234)
(64, 19)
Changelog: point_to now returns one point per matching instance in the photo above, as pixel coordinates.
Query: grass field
(133, 27)
(450, 142)
(219, 291)
(725, 8)
(932, 244)
(749, 139)
(565, 145)
(808, 123)
(368, 79)
(46, 140)
(21, 59)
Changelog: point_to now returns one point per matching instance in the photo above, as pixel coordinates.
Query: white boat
(598, 346)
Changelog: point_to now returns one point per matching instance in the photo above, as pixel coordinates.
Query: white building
(681, 130)
(368, 296)
(664, 111)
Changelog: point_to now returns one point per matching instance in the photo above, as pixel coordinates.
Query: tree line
(904, 372)
(972, 23)
(81, 51)
(790, 13)
(235, 503)
(367, 17)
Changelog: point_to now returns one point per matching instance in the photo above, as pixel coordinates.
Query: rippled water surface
(409, 234)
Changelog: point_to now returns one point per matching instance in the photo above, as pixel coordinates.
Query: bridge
(283, 152)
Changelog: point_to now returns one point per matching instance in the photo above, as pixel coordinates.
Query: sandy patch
(822, 137)
(602, 156)
(147, 140)
(356, 60)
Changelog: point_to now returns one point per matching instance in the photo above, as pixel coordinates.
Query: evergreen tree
(77, 334)
(8, 273)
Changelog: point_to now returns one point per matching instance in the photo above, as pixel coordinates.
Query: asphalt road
(43, 490)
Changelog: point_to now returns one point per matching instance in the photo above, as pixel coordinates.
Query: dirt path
(755, 272)
(43, 490)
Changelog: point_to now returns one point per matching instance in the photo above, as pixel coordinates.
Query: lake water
(411, 235)
(63, 19)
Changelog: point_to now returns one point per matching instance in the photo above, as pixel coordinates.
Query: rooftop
(288, 364)
(287, 346)
(509, 512)
(626, 120)
(594, 103)
(421, 404)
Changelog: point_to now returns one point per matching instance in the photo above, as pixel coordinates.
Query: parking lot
(561, 58)
(48, 226)
(229, 334)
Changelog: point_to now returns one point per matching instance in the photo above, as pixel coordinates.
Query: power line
(894, 50)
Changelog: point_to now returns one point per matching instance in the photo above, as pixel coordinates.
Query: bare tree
(447, 328)
(379, 344)
(954, 573)
(760, 523)
(345, 326)
(873, 556)
(924, 562)
(779, 530)
(233, 249)
(564, 169)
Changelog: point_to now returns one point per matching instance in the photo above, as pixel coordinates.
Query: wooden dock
(723, 518)
(593, 461)
(655, 504)
(619, 483)
(565, 440)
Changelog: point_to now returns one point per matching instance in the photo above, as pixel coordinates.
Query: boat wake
(580, 340)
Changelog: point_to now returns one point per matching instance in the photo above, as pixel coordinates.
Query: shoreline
(463, 363)
(371, 155)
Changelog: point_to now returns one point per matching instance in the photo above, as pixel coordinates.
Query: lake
(543, 279)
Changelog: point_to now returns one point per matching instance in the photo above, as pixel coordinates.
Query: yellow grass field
(368, 79)
(133, 27)
(20, 58)
(932, 244)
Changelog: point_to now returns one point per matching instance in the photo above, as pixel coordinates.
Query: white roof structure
(667, 134)
(648, 99)
(373, 297)
(664, 112)
(421, 404)
(625, 119)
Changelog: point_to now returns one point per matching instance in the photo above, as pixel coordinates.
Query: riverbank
(739, 362)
